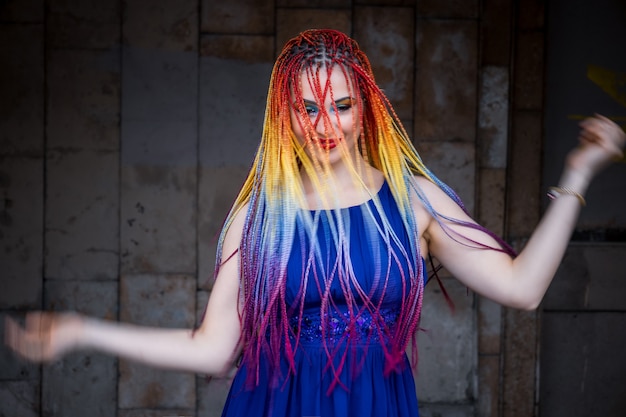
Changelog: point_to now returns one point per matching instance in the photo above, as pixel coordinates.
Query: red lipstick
(327, 144)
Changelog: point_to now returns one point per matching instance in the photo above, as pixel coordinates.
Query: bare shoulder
(436, 198)
(234, 232)
(440, 203)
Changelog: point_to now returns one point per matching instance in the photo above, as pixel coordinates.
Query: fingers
(603, 132)
(16, 338)
(32, 341)
(605, 119)
(39, 323)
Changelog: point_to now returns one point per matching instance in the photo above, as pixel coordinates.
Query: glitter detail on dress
(336, 328)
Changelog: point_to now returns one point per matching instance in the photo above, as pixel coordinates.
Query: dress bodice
(343, 308)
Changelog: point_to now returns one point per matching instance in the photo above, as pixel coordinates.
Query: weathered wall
(127, 127)
(582, 366)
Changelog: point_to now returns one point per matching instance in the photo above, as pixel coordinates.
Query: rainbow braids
(273, 198)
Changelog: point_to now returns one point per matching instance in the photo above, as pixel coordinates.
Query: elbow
(219, 364)
(226, 367)
(216, 352)
(533, 306)
(525, 304)
(521, 300)
(219, 370)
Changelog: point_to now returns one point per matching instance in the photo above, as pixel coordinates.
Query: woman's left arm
(522, 282)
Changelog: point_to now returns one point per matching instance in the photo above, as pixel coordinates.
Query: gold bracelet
(554, 192)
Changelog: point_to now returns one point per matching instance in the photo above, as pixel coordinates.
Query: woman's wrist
(573, 183)
(83, 329)
(574, 180)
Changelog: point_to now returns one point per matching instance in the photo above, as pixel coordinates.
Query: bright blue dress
(365, 390)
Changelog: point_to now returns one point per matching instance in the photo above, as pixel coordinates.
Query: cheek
(297, 126)
(349, 124)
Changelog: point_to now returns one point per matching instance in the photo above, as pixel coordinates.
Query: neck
(343, 186)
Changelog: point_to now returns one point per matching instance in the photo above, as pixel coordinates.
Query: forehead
(319, 84)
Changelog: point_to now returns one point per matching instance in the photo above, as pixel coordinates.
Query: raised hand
(601, 141)
(45, 336)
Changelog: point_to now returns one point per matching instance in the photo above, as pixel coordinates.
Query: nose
(324, 125)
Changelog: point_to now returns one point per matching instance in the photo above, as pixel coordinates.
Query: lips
(327, 144)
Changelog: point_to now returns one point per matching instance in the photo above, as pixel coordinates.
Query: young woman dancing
(320, 272)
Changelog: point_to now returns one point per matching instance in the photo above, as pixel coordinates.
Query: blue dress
(354, 381)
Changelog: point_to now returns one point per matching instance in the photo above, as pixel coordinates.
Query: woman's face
(329, 114)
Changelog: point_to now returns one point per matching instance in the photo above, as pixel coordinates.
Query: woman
(320, 271)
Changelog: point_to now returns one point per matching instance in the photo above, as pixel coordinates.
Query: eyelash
(341, 108)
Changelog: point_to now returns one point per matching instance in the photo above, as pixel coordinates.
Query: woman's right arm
(210, 349)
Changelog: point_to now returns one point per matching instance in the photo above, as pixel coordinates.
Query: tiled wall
(126, 129)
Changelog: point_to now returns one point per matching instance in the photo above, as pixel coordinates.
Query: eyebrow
(310, 102)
